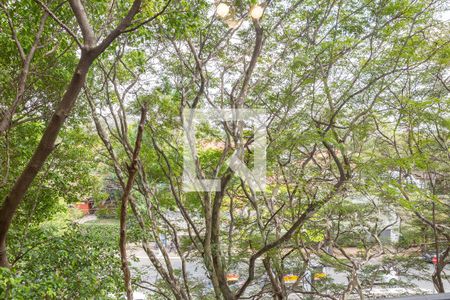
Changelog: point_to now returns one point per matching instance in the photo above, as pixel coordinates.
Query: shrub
(77, 264)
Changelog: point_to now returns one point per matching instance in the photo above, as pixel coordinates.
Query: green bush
(107, 212)
(81, 263)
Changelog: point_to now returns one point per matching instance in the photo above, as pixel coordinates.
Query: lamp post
(256, 11)
(223, 11)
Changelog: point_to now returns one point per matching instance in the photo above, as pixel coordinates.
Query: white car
(390, 277)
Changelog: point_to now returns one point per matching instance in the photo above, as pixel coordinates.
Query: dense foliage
(70, 262)
(357, 108)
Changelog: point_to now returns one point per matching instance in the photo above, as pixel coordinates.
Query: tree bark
(132, 171)
(45, 147)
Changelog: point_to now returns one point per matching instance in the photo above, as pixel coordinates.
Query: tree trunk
(43, 150)
(436, 277)
(132, 172)
(123, 231)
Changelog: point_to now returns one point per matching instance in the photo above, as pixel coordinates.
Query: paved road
(196, 270)
(86, 218)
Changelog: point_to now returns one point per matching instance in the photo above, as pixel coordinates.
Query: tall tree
(322, 70)
(91, 47)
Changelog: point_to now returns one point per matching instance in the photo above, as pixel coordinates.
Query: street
(196, 271)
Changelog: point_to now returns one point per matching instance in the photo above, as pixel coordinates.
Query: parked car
(390, 277)
(379, 277)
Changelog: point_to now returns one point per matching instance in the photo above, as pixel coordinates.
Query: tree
(342, 59)
(418, 157)
(355, 100)
(91, 48)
